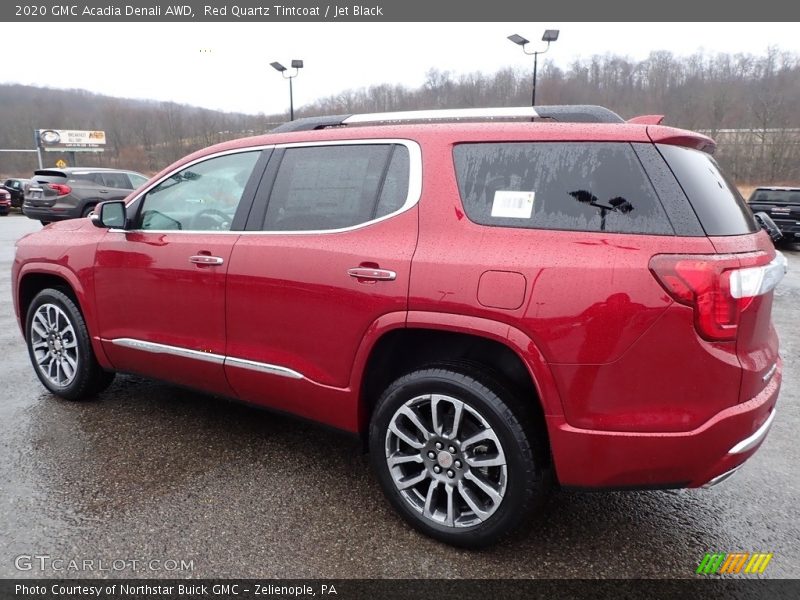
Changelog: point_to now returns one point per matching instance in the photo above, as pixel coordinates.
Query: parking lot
(175, 483)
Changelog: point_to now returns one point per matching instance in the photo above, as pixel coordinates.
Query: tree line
(750, 104)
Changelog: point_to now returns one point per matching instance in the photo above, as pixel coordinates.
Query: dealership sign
(56, 140)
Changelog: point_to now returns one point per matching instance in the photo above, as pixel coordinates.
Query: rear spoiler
(647, 120)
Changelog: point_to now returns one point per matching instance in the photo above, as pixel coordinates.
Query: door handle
(206, 260)
(370, 274)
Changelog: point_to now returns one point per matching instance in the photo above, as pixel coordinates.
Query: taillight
(719, 287)
(62, 188)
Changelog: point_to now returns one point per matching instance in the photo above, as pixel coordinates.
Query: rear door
(328, 253)
(160, 286)
(113, 185)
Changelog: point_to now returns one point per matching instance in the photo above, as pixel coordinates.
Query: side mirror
(109, 214)
(768, 225)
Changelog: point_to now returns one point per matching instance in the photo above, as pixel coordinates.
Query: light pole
(296, 65)
(550, 35)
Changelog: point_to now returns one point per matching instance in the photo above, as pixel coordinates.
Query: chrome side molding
(219, 359)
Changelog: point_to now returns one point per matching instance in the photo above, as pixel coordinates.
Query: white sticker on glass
(512, 205)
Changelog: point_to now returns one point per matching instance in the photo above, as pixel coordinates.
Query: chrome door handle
(204, 259)
(372, 274)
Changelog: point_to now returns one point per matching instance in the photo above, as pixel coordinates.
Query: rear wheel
(87, 211)
(60, 348)
(453, 456)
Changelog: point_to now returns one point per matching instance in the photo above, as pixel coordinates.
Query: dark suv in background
(16, 189)
(782, 204)
(58, 194)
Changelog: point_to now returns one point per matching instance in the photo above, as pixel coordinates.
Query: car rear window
(776, 196)
(48, 179)
(718, 204)
(578, 186)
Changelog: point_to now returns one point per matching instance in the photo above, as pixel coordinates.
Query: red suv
(495, 306)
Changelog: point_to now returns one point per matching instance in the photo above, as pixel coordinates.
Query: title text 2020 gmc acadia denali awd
(495, 305)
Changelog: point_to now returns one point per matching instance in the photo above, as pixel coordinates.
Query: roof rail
(580, 113)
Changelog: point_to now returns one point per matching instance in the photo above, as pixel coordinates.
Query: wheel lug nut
(431, 454)
(458, 464)
(452, 449)
(437, 469)
(451, 474)
(439, 445)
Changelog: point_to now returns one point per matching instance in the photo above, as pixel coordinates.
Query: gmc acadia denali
(496, 305)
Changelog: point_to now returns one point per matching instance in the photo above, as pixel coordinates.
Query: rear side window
(94, 178)
(579, 186)
(48, 179)
(334, 187)
(717, 202)
(116, 180)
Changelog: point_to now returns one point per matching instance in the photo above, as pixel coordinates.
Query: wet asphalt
(150, 475)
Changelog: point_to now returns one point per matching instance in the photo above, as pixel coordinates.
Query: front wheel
(454, 458)
(60, 348)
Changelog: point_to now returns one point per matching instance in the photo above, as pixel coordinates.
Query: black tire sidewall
(86, 371)
(523, 470)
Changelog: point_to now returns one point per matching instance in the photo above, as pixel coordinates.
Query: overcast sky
(225, 66)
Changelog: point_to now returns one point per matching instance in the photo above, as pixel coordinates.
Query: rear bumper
(606, 459)
(46, 213)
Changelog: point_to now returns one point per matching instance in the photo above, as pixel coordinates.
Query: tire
(87, 211)
(491, 464)
(60, 349)
(44, 223)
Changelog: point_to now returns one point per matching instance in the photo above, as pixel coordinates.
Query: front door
(160, 285)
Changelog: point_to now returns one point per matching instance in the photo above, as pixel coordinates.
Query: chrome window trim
(218, 359)
(413, 197)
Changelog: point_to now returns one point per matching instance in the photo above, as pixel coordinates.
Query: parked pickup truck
(783, 205)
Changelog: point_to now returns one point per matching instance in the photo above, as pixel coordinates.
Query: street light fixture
(550, 35)
(296, 65)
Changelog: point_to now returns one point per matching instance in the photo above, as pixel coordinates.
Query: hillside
(750, 104)
(141, 135)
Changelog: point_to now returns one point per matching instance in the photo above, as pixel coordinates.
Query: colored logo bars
(742, 562)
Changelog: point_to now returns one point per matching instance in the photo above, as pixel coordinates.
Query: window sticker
(512, 205)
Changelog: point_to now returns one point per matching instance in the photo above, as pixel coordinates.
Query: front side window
(201, 197)
(334, 187)
(578, 186)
